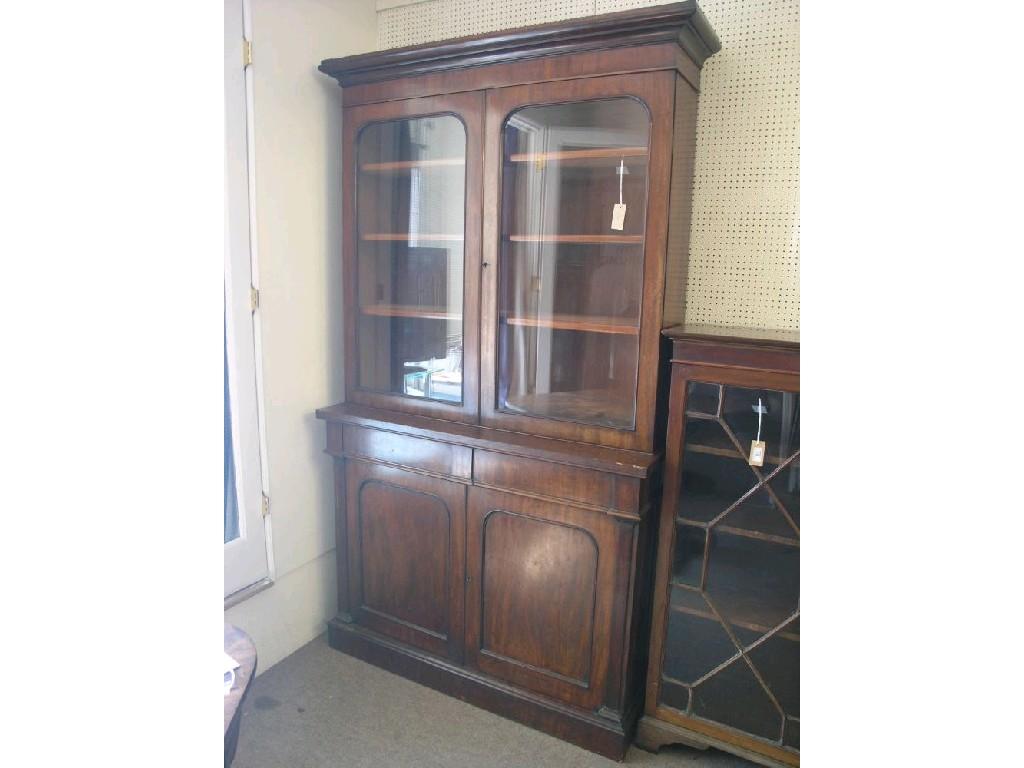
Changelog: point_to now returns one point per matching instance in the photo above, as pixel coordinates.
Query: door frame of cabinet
(469, 109)
(601, 530)
(682, 375)
(656, 90)
(452, 496)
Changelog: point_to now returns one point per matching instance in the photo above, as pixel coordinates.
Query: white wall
(298, 202)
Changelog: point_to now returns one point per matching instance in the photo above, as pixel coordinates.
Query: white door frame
(248, 560)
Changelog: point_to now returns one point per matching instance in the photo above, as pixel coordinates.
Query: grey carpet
(320, 707)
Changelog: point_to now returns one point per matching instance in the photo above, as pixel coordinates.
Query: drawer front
(545, 478)
(413, 452)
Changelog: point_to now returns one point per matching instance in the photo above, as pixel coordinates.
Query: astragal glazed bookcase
(516, 214)
(724, 663)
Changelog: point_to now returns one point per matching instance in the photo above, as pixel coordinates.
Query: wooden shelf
(595, 406)
(579, 154)
(406, 236)
(402, 165)
(398, 310)
(580, 239)
(589, 323)
(752, 626)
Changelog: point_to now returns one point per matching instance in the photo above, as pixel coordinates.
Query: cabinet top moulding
(673, 36)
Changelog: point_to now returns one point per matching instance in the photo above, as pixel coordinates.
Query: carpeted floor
(319, 708)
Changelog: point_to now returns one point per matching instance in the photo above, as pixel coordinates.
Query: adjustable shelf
(579, 239)
(589, 323)
(752, 626)
(399, 310)
(402, 165)
(579, 154)
(406, 236)
(737, 609)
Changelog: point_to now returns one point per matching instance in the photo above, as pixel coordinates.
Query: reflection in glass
(570, 286)
(410, 220)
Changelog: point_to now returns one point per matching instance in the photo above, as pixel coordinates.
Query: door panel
(406, 555)
(541, 586)
(412, 252)
(571, 309)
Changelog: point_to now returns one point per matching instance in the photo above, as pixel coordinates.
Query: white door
(246, 529)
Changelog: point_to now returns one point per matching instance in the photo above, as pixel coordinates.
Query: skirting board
(607, 736)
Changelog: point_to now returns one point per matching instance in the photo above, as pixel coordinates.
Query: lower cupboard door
(406, 544)
(540, 594)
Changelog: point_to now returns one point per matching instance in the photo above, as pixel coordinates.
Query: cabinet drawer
(544, 478)
(406, 451)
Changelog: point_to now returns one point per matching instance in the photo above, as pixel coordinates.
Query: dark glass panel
(777, 660)
(702, 397)
(711, 483)
(674, 695)
(759, 513)
(410, 214)
(751, 582)
(694, 646)
(570, 287)
(785, 484)
(688, 557)
(734, 697)
(791, 738)
(689, 600)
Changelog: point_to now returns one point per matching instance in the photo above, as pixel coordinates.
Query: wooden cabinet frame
(771, 361)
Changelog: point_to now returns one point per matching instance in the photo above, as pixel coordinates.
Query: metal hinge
(266, 505)
(246, 52)
(254, 298)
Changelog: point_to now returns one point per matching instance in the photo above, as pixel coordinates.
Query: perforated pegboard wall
(745, 237)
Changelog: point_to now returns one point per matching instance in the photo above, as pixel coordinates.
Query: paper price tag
(757, 450)
(618, 215)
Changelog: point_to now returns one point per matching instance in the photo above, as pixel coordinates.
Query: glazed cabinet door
(406, 555)
(541, 587)
(729, 626)
(574, 251)
(412, 252)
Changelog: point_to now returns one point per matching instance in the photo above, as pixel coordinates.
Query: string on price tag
(619, 209)
(757, 446)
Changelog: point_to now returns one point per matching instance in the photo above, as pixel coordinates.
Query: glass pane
(780, 425)
(753, 583)
(735, 697)
(711, 482)
(411, 192)
(702, 397)
(688, 558)
(777, 660)
(694, 645)
(570, 284)
(674, 695)
(739, 526)
(231, 530)
(791, 738)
